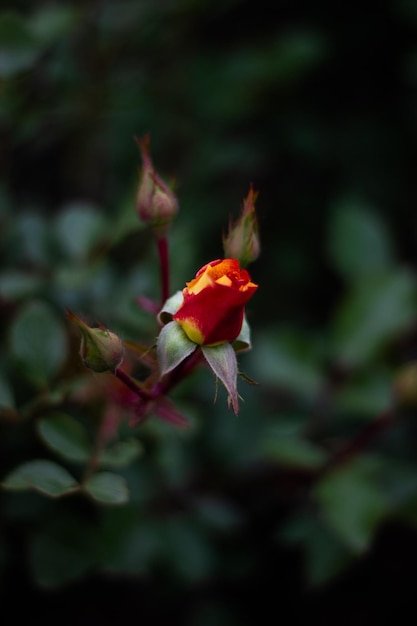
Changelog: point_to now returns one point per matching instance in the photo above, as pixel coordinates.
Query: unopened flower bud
(101, 350)
(242, 241)
(156, 203)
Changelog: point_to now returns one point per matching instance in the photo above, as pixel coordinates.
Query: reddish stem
(161, 387)
(177, 375)
(132, 384)
(362, 440)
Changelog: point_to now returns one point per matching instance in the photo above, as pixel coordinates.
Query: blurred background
(308, 499)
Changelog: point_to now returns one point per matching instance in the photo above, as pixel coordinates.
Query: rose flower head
(214, 301)
(156, 203)
(208, 317)
(242, 240)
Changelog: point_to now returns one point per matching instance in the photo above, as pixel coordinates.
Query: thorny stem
(161, 387)
(163, 252)
(132, 384)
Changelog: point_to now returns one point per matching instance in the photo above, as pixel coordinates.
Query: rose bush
(214, 301)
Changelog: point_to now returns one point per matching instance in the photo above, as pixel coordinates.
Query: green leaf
(15, 285)
(18, 47)
(107, 488)
(128, 543)
(51, 23)
(217, 514)
(124, 220)
(171, 459)
(292, 451)
(30, 240)
(359, 244)
(44, 476)
(292, 366)
(325, 554)
(365, 397)
(187, 550)
(352, 502)
(376, 310)
(65, 436)
(173, 347)
(222, 361)
(79, 228)
(38, 342)
(121, 453)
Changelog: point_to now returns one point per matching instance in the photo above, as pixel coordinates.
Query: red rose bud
(214, 301)
(156, 204)
(101, 350)
(242, 240)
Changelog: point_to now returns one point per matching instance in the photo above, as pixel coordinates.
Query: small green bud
(242, 241)
(156, 203)
(101, 350)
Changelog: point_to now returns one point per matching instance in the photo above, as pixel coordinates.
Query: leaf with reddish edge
(163, 408)
(166, 410)
(222, 361)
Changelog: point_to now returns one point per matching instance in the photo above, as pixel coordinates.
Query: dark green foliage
(293, 498)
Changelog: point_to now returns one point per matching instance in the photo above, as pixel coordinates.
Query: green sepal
(173, 347)
(222, 360)
(170, 307)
